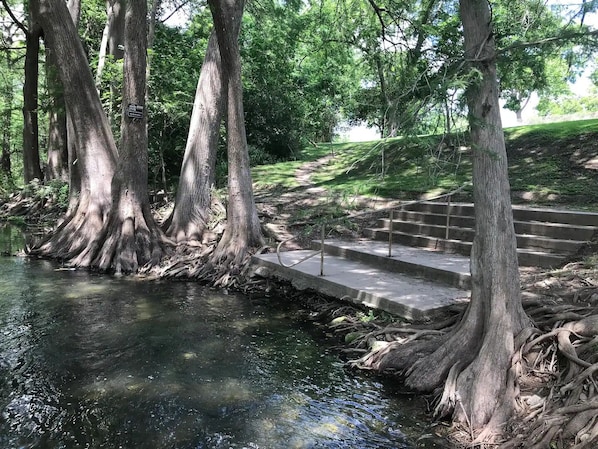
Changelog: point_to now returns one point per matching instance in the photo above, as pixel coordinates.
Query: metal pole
(390, 225)
(448, 216)
(322, 250)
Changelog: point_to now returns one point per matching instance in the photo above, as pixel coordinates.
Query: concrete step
(450, 269)
(524, 241)
(526, 256)
(520, 213)
(426, 273)
(563, 231)
(410, 297)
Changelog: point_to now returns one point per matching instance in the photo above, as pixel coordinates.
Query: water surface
(93, 361)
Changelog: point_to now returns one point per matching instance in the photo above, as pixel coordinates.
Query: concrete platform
(451, 269)
(411, 297)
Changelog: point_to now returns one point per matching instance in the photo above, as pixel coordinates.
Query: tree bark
(8, 100)
(116, 28)
(74, 7)
(132, 238)
(31, 162)
(57, 163)
(243, 227)
(75, 240)
(194, 193)
(58, 154)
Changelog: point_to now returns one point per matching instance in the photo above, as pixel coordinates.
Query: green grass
(558, 131)
(545, 161)
(282, 174)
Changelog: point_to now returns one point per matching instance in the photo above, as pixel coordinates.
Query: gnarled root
(552, 383)
(559, 407)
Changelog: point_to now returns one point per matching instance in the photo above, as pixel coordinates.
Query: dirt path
(303, 174)
(296, 213)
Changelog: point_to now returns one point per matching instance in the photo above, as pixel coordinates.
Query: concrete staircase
(545, 237)
(426, 272)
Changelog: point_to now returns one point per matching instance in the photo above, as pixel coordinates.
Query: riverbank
(342, 185)
(561, 302)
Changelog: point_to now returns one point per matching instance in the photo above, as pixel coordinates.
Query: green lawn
(546, 166)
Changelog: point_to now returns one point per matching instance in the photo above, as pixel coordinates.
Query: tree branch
(14, 18)
(9, 48)
(547, 41)
(176, 9)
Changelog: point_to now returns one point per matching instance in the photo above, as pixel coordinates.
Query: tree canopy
(308, 66)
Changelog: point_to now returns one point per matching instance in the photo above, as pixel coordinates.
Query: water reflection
(88, 361)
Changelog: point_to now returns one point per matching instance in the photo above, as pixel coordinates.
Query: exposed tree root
(554, 375)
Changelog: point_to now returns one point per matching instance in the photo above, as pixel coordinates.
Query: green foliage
(6, 186)
(91, 27)
(175, 66)
(566, 105)
(11, 98)
(17, 221)
(411, 77)
(296, 78)
(525, 68)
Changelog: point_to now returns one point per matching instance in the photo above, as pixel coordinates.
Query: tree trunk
(112, 44)
(31, 162)
(103, 49)
(243, 227)
(116, 28)
(5, 162)
(74, 7)
(132, 238)
(58, 157)
(76, 238)
(8, 101)
(57, 165)
(192, 205)
(474, 361)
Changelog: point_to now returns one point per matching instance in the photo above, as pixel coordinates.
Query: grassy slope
(546, 166)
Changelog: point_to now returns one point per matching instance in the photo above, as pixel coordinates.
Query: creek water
(94, 361)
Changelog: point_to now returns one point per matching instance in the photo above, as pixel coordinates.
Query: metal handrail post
(322, 250)
(390, 226)
(448, 216)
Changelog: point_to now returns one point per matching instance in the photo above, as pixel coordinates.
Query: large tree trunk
(75, 240)
(132, 238)
(243, 227)
(57, 165)
(31, 161)
(192, 205)
(474, 361)
(58, 153)
(8, 101)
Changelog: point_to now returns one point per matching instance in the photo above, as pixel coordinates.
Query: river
(96, 361)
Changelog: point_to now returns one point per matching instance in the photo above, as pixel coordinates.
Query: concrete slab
(403, 295)
(451, 269)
